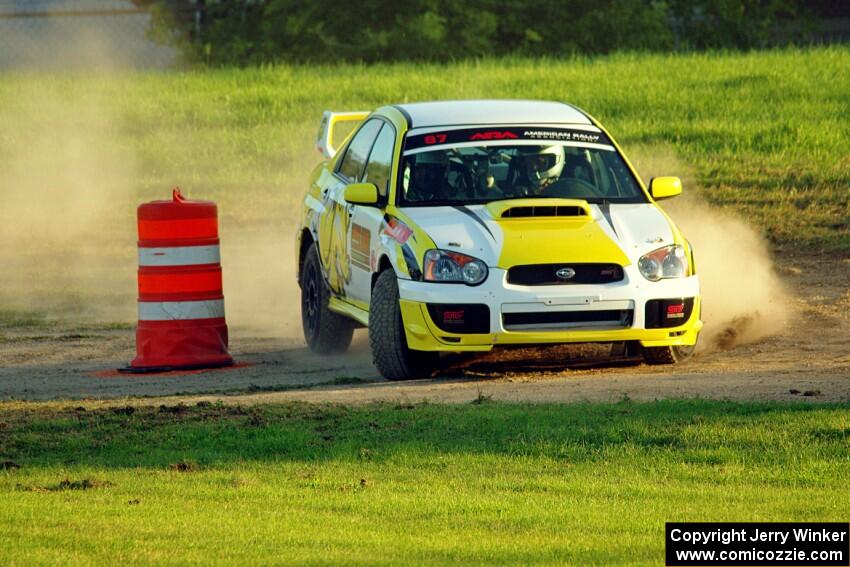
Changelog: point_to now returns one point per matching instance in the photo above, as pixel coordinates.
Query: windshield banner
(483, 135)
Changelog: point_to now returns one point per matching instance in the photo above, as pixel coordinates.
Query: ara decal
(396, 230)
(466, 135)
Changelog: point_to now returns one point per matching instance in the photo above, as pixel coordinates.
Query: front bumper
(627, 296)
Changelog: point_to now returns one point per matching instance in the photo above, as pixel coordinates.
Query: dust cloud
(260, 289)
(66, 218)
(70, 183)
(743, 298)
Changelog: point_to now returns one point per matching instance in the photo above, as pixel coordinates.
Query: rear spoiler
(324, 143)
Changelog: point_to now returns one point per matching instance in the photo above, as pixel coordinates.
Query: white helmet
(540, 164)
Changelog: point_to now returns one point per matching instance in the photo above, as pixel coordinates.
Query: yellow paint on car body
(557, 240)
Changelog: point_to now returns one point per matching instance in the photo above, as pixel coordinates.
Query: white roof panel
(455, 112)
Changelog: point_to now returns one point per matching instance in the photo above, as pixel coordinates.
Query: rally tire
(326, 332)
(667, 354)
(390, 353)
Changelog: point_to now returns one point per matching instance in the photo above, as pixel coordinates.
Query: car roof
(459, 112)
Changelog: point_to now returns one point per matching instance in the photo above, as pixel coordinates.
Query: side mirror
(665, 187)
(361, 194)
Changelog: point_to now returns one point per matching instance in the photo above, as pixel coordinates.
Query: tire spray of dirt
(261, 293)
(743, 298)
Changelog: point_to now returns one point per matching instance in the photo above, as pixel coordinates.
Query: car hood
(611, 233)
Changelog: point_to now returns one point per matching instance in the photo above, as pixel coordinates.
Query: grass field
(424, 484)
(766, 133)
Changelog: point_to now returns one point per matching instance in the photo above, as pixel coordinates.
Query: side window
(380, 161)
(620, 181)
(358, 150)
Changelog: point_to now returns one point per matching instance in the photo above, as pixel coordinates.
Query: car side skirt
(350, 310)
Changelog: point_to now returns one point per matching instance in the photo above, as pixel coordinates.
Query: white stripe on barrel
(179, 256)
(180, 310)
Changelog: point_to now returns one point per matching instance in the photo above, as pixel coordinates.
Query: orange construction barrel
(181, 303)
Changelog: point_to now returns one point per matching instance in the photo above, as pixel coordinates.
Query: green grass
(481, 483)
(766, 133)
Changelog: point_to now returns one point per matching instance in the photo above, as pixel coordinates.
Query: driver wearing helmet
(537, 168)
(428, 177)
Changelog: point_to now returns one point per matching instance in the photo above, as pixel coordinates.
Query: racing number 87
(434, 139)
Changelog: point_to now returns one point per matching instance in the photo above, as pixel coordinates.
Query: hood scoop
(539, 207)
(545, 211)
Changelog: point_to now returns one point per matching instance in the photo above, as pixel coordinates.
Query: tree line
(264, 31)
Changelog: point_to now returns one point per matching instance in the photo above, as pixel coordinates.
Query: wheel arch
(384, 264)
(306, 240)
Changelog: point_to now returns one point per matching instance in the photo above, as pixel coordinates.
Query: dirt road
(810, 360)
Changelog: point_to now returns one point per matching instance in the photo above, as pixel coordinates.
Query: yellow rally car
(464, 225)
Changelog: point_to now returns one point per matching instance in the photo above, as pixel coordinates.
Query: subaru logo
(565, 273)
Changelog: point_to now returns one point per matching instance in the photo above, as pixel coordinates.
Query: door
(336, 220)
(366, 221)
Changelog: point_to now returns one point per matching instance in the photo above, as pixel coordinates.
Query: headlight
(445, 266)
(667, 262)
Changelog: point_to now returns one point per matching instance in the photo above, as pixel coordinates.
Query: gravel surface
(809, 361)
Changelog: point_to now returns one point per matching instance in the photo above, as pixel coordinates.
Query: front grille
(555, 320)
(547, 274)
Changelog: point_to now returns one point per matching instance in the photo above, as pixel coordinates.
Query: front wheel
(390, 353)
(667, 354)
(326, 332)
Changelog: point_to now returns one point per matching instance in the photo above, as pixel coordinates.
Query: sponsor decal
(360, 238)
(564, 135)
(676, 311)
(397, 230)
(453, 316)
(506, 135)
(466, 135)
(401, 233)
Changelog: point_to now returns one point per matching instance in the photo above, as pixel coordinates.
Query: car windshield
(458, 171)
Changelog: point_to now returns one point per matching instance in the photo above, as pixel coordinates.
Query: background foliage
(260, 31)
